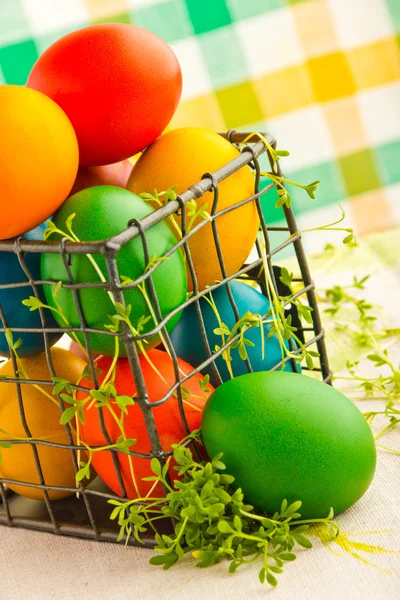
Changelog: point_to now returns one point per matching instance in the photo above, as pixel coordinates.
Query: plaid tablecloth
(323, 76)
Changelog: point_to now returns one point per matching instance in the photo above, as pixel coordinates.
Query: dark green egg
(288, 436)
(100, 213)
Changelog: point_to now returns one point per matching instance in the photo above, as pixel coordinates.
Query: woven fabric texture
(323, 76)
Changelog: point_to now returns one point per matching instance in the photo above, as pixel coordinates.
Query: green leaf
(51, 228)
(189, 511)
(374, 357)
(120, 308)
(97, 395)
(271, 579)
(226, 479)
(17, 344)
(60, 385)
(331, 513)
(349, 238)
(172, 557)
(294, 507)
(224, 527)
(242, 351)
(115, 502)
(123, 401)
(56, 289)
(306, 313)
(125, 445)
(170, 195)
(286, 277)
(68, 222)
(67, 415)
(311, 189)
(115, 513)
(121, 534)
(126, 280)
(204, 383)
(300, 529)
(222, 495)
(261, 575)
(160, 560)
(33, 303)
(237, 522)
(360, 283)
(309, 362)
(233, 566)
(185, 392)
(155, 260)
(9, 337)
(155, 466)
(81, 414)
(143, 320)
(4, 444)
(284, 198)
(68, 399)
(302, 540)
(82, 473)
(287, 556)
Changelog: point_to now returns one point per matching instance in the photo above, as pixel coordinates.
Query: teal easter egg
(288, 436)
(100, 213)
(16, 314)
(188, 342)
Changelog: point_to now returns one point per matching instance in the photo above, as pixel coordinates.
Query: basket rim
(111, 246)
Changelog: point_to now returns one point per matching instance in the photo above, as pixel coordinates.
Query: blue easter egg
(16, 314)
(188, 342)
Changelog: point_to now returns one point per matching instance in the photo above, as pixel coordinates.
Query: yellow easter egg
(42, 418)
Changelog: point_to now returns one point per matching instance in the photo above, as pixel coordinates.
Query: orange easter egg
(180, 158)
(167, 416)
(38, 159)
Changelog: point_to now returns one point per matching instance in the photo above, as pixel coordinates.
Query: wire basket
(86, 514)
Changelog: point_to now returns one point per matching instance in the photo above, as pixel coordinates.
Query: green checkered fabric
(323, 76)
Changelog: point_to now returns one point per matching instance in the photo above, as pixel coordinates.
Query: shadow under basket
(87, 516)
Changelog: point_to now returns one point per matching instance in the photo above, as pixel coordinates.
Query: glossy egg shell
(167, 418)
(102, 212)
(288, 436)
(180, 158)
(43, 419)
(188, 341)
(116, 174)
(38, 159)
(16, 314)
(118, 83)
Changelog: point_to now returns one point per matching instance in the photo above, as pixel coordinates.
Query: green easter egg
(288, 436)
(100, 213)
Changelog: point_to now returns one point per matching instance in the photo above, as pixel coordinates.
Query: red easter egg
(119, 85)
(167, 418)
(116, 174)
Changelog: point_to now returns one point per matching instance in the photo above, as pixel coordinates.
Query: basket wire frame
(88, 515)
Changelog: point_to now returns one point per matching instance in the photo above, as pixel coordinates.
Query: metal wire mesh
(88, 515)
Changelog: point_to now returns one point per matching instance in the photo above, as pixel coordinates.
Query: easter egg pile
(88, 150)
